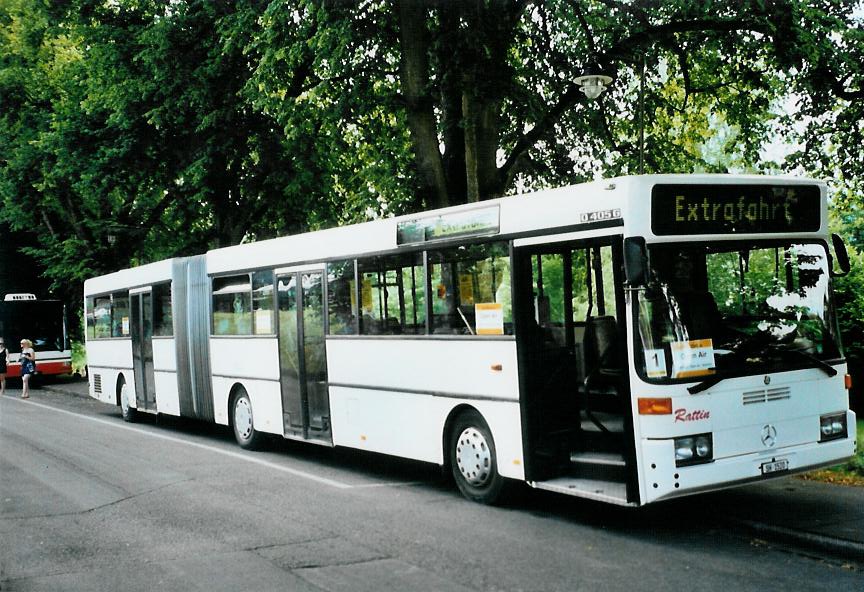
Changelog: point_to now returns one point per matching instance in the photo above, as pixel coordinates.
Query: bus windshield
(733, 309)
(40, 321)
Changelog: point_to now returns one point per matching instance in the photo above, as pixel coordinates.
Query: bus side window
(262, 303)
(163, 325)
(89, 319)
(466, 279)
(392, 295)
(102, 317)
(341, 298)
(232, 305)
(120, 314)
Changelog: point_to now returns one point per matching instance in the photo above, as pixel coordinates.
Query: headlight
(692, 450)
(703, 447)
(832, 427)
(684, 449)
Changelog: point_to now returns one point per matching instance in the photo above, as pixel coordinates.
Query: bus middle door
(302, 357)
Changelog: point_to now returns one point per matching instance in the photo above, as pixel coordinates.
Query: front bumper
(661, 479)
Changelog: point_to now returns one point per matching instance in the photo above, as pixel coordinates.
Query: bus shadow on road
(369, 465)
(685, 521)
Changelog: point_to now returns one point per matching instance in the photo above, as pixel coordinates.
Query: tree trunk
(450, 89)
(414, 70)
(469, 116)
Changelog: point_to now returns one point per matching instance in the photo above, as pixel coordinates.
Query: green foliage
(79, 358)
(133, 131)
(850, 309)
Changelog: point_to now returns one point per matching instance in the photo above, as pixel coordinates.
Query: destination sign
(478, 222)
(720, 209)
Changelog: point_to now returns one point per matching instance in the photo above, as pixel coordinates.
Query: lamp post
(642, 118)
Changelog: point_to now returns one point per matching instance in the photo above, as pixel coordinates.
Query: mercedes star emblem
(769, 436)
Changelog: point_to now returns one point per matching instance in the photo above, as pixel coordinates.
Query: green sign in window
(478, 222)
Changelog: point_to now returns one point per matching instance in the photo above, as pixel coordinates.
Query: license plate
(775, 466)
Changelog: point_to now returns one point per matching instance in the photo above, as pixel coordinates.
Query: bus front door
(141, 330)
(302, 358)
(567, 303)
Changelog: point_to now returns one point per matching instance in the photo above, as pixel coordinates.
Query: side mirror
(842, 256)
(635, 260)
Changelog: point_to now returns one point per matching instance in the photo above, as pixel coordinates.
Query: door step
(613, 424)
(606, 491)
(604, 465)
(607, 459)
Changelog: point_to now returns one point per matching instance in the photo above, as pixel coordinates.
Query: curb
(835, 547)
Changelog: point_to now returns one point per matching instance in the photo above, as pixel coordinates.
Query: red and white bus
(629, 340)
(23, 316)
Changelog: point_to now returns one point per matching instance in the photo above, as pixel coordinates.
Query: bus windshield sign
(479, 222)
(720, 209)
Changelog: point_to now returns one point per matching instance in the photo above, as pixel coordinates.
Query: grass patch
(850, 473)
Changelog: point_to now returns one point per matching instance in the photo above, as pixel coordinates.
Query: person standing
(28, 366)
(4, 355)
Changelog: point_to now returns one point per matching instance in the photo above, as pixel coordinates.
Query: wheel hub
(243, 418)
(473, 457)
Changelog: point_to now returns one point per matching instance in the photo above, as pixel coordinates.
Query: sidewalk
(69, 385)
(808, 515)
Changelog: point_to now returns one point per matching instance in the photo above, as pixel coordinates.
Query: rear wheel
(473, 460)
(130, 414)
(244, 428)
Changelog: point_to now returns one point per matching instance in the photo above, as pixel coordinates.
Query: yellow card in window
(489, 318)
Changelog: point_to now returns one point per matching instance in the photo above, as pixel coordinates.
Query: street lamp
(593, 85)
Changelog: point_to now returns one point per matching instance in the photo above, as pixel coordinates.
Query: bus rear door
(141, 326)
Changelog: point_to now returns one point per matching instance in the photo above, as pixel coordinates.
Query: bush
(849, 300)
(79, 358)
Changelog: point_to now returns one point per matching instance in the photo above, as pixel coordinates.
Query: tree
(178, 126)
(126, 139)
(486, 86)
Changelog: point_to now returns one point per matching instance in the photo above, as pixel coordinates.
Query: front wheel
(130, 414)
(244, 428)
(473, 460)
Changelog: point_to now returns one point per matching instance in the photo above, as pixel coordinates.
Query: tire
(130, 414)
(473, 460)
(244, 428)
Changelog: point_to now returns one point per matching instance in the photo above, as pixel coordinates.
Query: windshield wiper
(814, 363)
(706, 384)
(745, 347)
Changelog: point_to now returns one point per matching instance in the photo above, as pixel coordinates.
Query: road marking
(388, 484)
(229, 453)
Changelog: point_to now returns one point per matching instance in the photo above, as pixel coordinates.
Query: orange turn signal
(661, 406)
(848, 381)
(496, 367)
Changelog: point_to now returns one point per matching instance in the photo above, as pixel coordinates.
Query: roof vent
(20, 297)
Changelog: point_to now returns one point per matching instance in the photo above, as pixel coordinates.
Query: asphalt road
(88, 502)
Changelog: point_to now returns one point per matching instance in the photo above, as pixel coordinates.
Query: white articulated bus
(628, 341)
